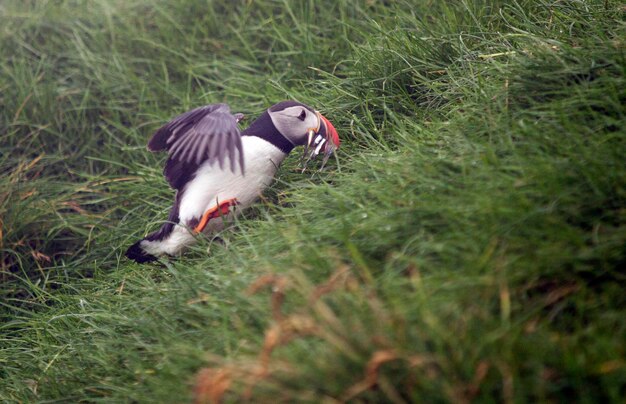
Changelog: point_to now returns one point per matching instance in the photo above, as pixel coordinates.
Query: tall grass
(466, 245)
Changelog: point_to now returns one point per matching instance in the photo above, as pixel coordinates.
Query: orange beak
(324, 139)
(331, 133)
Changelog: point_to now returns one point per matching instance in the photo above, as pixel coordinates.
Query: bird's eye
(302, 115)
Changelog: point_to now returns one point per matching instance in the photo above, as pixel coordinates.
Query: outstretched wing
(207, 133)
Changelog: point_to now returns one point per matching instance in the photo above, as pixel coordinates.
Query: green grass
(465, 245)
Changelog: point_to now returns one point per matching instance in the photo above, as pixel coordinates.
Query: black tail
(137, 254)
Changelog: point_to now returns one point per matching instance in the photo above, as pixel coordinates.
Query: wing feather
(216, 149)
(239, 147)
(207, 133)
(202, 148)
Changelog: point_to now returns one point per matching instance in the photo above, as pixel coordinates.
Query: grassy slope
(466, 245)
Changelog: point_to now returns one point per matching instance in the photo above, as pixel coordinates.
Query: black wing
(205, 133)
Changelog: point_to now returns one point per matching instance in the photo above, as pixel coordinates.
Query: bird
(217, 170)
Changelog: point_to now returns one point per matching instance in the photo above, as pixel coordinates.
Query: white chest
(212, 184)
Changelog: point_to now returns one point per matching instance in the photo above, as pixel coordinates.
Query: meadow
(465, 244)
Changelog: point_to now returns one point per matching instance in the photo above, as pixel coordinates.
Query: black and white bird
(217, 170)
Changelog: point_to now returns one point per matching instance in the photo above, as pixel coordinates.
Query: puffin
(218, 171)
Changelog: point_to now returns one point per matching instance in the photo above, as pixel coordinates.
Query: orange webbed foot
(222, 209)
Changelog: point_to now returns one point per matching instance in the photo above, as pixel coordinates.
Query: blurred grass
(466, 246)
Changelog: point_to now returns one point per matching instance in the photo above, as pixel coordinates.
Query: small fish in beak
(321, 140)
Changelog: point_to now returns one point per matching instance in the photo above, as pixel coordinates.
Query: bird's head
(304, 126)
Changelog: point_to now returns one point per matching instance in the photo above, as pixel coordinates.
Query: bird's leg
(221, 209)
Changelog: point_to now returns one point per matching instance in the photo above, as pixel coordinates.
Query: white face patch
(294, 123)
